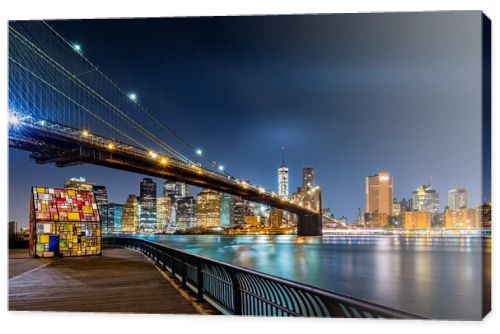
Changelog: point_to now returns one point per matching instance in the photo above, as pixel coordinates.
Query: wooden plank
(121, 280)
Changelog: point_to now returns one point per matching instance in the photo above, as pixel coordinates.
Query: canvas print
(333, 165)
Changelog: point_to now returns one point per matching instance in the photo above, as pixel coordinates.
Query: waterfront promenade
(121, 280)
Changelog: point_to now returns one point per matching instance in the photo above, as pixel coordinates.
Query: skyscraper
(112, 214)
(379, 193)
(208, 208)
(239, 210)
(308, 177)
(226, 202)
(186, 212)
(457, 198)
(283, 177)
(130, 216)
(176, 191)
(425, 198)
(163, 208)
(147, 205)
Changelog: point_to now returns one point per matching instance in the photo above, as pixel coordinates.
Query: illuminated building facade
(275, 218)
(417, 220)
(239, 210)
(208, 209)
(379, 194)
(186, 212)
(457, 198)
(226, 202)
(163, 207)
(64, 222)
(176, 191)
(130, 216)
(147, 205)
(308, 179)
(253, 221)
(78, 183)
(112, 214)
(283, 177)
(426, 199)
(462, 218)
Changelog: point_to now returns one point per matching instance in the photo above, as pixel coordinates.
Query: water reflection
(437, 277)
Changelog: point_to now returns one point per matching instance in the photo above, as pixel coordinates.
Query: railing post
(199, 280)
(236, 294)
(184, 273)
(173, 265)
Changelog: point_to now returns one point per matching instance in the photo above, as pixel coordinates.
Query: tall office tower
(308, 178)
(186, 212)
(130, 216)
(163, 208)
(457, 198)
(147, 205)
(379, 194)
(226, 203)
(283, 177)
(208, 208)
(396, 208)
(112, 214)
(360, 217)
(176, 191)
(426, 199)
(239, 211)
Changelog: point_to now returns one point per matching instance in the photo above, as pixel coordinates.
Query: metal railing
(240, 291)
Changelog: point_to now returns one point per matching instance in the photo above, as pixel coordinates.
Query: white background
(41, 322)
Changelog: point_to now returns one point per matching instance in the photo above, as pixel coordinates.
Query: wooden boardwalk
(121, 280)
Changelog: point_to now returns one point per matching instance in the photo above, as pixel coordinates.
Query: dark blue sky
(350, 95)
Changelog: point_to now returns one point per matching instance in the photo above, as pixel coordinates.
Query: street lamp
(132, 96)
(221, 168)
(199, 151)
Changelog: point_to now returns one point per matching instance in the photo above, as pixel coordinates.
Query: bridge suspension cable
(157, 121)
(74, 78)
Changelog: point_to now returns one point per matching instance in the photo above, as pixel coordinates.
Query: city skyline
(306, 101)
(160, 192)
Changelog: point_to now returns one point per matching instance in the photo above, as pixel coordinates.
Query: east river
(437, 277)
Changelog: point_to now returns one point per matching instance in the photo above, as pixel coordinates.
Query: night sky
(350, 95)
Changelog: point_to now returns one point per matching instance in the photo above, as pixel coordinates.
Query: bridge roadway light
(221, 168)
(14, 119)
(163, 161)
(199, 151)
(111, 146)
(153, 155)
(85, 133)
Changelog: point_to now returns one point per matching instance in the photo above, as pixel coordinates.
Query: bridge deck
(119, 281)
